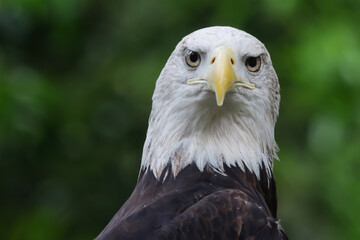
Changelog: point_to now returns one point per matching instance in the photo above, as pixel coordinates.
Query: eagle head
(215, 103)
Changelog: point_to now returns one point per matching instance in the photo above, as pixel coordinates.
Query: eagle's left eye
(253, 64)
(192, 58)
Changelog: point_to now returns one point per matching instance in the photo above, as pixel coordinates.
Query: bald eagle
(206, 170)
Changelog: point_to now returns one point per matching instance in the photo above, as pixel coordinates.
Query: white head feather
(187, 126)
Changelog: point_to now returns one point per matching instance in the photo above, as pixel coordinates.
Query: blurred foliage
(76, 79)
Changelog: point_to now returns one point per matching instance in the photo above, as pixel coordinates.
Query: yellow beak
(222, 76)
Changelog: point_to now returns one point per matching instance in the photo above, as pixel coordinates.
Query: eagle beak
(222, 77)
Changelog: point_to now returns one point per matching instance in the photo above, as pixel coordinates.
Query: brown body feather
(199, 205)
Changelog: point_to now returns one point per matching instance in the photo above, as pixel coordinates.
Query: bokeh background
(76, 79)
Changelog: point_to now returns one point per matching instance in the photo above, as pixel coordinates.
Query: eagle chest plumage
(206, 170)
(203, 205)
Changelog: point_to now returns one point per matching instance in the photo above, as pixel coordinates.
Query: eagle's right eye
(192, 58)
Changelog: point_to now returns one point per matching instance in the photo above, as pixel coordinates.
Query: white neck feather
(197, 131)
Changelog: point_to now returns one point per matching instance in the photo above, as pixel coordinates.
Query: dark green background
(76, 79)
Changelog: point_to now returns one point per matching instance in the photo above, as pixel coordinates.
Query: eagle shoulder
(225, 214)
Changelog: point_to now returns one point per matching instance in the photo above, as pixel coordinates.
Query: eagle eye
(253, 64)
(192, 58)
